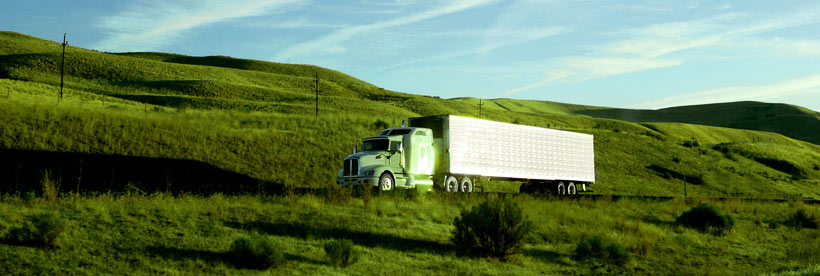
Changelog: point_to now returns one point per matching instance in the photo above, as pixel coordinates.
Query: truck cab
(402, 158)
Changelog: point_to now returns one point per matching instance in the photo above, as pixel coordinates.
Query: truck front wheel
(451, 184)
(386, 182)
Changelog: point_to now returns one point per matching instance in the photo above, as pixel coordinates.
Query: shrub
(493, 228)
(691, 144)
(600, 248)
(803, 219)
(257, 252)
(341, 253)
(37, 230)
(49, 186)
(706, 218)
(380, 124)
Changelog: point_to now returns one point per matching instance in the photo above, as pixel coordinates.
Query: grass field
(253, 124)
(396, 235)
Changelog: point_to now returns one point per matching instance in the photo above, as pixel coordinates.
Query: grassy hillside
(257, 118)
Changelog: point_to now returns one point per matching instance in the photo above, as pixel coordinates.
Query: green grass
(193, 235)
(257, 118)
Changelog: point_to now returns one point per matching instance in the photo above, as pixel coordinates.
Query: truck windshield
(379, 144)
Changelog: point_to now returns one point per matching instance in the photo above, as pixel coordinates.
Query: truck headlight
(368, 173)
(342, 171)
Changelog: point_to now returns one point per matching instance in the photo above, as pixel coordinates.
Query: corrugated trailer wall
(494, 149)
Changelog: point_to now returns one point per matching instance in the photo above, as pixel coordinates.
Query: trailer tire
(386, 182)
(561, 189)
(451, 184)
(571, 189)
(466, 185)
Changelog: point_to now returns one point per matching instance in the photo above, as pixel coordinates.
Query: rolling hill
(257, 119)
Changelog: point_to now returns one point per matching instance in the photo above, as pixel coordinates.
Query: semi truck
(452, 152)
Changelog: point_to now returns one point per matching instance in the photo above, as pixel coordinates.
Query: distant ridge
(791, 121)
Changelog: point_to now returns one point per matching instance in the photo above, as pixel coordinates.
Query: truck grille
(351, 167)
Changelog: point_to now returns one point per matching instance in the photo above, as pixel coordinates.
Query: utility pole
(480, 103)
(316, 81)
(62, 67)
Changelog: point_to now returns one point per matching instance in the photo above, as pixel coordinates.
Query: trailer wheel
(451, 184)
(561, 189)
(571, 190)
(466, 185)
(386, 182)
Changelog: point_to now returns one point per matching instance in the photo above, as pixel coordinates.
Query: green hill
(257, 119)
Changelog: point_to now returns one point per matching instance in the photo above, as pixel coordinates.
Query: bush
(257, 252)
(341, 253)
(803, 219)
(37, 230)
(600, 248)
(493, 228)
(380, 124)
(691, 144)
(706, 218)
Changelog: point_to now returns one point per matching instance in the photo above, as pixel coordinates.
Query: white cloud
(333, 40)
(149, 24)
(808, 85)
(644, 48)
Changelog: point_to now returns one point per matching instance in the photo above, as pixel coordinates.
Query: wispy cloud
(808, 85)
(333, 40)
(646, 48)
(150, 24)
(495, 38)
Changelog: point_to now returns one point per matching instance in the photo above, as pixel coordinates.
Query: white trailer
(543, 159)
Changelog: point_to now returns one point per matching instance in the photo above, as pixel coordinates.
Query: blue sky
(628, 54)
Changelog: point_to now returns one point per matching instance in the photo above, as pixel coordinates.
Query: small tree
(493, 228)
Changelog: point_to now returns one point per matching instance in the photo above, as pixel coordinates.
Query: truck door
(396, 160)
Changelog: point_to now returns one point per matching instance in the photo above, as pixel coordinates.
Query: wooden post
(316, 81)
(480, 103)
(62, 67)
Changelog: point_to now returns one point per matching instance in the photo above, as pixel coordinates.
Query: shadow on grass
(185, 254)
(301, 230)
(543, 255)
(660, 222)
(211, 256)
